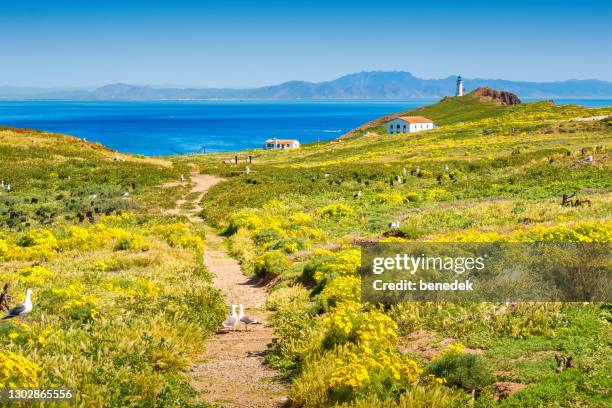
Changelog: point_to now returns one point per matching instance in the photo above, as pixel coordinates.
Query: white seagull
(246, 319)
(394, 224)
(22, 309)
(232, 320)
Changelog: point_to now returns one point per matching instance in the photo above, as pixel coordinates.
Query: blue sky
(251, 43)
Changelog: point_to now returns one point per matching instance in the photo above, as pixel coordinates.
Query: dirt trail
(200, 183)
(231, 372)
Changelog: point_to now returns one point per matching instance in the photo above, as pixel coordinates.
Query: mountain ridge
(360, 85)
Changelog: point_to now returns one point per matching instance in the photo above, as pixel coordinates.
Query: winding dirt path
(231, 372)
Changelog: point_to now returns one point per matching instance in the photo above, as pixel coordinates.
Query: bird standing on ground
(21, 309)
(232, 320)
(247, 320)
(357, 195)
(394, 224)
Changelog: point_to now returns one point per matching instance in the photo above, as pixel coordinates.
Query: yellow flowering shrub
(438, 194)
(389, 198)
(347, 323)
(118, 218)
(4, 250)
(344, 262)
(34, 275)
(78, 238)
(99, 265)
(393, 239)
(249, 220)
(584, 231)
(76, 303)
(139, 287)
(35, 245)
(309, 232)
(38, 237)
(271, 263)
(274, 204)
(134, 242)
(334, 211)
(17, 371)
(341, 288)
(179, 235)
(300, 218)
(85, 308)
(453, 348)
(362, 364)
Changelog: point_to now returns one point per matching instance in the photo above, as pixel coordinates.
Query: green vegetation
(111, 275)
(296, 223)
(121, 299)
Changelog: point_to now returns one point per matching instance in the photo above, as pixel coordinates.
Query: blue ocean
(180, 127)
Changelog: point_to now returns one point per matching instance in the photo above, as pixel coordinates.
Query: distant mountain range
(362, 85)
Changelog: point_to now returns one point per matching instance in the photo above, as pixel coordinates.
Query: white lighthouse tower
(459, 86)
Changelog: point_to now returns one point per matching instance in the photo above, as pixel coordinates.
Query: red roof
(415, 119)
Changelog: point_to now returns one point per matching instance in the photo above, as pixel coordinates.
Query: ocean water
(171, 127)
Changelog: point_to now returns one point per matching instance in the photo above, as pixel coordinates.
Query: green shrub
(289, 298)
(242, 247)
(465, 370)
(134, 242)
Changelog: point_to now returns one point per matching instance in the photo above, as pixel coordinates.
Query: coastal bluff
(450, 109)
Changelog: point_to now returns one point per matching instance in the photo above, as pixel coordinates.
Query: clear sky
(238, 43)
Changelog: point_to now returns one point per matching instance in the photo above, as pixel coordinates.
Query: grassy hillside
(121, 299)
(294, 222)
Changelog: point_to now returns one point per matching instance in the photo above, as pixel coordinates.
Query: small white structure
(459, 86)
(281, 144)
(409, 124)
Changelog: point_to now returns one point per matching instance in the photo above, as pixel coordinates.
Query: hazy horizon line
(193, 86)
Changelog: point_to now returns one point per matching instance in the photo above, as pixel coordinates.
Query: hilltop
(361, 85)
(478, 104)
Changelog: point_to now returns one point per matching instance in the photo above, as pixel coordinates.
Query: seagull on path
(232, 320)
(22, 309)
(246, 319)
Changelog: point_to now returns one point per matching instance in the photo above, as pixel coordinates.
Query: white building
(409, 124)
(281, 144)
(459, 86)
